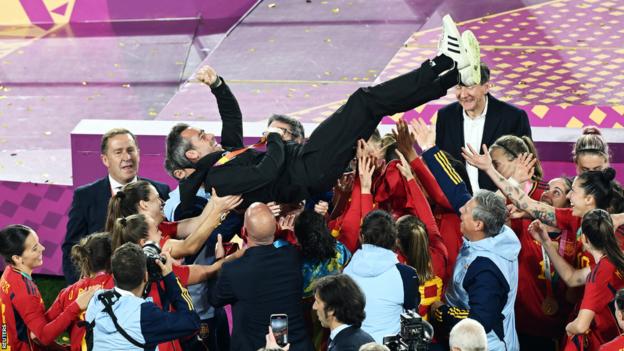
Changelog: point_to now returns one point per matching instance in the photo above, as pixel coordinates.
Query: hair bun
(592, 130)
(608, 174)
(123, 221)
(120, 194)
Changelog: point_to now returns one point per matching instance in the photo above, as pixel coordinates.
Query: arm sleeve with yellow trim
(451, 183)
(487, 295)
(159, 326)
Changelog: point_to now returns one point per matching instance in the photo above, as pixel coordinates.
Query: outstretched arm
(231, 116)
(536, 209)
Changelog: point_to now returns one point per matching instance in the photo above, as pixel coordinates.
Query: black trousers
(330, 148)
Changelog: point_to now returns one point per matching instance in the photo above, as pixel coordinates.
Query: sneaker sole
(471, 45)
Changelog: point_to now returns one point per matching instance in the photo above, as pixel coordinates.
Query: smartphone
(229, 248)
(279, 324)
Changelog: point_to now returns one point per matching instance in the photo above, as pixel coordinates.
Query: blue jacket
(142, 319)
(389, 287)
(485, 277)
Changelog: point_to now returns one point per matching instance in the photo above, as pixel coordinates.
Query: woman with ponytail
(617, 344)
(591, 151)
(24, 322)
(506, 153)
(595, 320)
(142, 198)
(92, 257)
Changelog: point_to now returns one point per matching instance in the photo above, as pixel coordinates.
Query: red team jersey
(616, 344)
(530, 317)
(67, 296)
(23, 313)
(602, 284)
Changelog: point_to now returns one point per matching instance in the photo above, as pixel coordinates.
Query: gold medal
(550, 306)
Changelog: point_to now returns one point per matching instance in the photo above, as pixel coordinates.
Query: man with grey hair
(468, 335)
(485, 277)
(292, 128)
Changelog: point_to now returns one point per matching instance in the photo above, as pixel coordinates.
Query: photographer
(122, 320)
(339, 304)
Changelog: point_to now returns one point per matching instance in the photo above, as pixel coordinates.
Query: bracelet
(216, 84)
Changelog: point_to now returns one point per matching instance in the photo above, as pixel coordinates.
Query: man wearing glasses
(478, 118)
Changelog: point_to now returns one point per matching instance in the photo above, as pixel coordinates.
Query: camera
(151, 250)
(415, 335)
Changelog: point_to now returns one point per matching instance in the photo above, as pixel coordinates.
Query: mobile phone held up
(229, 248)
(279, 325)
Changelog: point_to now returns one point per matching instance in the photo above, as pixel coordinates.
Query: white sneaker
(471, 73)
(450, 43)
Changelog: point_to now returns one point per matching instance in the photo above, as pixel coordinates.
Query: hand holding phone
(279, 325)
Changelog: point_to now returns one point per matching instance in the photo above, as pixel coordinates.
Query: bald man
(266, 280)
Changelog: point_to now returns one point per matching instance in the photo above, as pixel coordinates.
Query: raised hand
(525, 167)
(321, 207)
(275, 208)
(405, 140)
(481, 161)
(225, 203)
(366, 166)
(538, 231)
(288, 222)
(219, 250)
(404, 167)
(207, 75)
(425, 135)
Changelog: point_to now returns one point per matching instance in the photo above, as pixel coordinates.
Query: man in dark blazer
(266, 280)
(339, 303)
(87, 215)
(478, 118)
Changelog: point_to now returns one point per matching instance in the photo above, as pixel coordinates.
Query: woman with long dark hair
(594, 318)
(24, 322)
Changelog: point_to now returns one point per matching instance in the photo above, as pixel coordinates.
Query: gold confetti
(126, 85)
(3, 97)
(252, 50)
(5, 89)
(272, 5)
(116, 65)
(179, 63)
(328, 40)
(152, 113)
(84, 83)
(324, 2)
(6, 62)
(327, 73)
(122, 45)
(336, 10)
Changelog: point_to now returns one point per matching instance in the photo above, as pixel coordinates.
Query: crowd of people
(343, 232)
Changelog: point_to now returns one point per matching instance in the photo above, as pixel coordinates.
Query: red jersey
(346, 228)
(530, 317)
(616, 344)
(169, 229)
(23, 313)
(602, 284)
(572, 224)
(537, 189)
(67, 296)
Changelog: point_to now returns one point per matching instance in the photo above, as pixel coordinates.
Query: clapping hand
(481, 161)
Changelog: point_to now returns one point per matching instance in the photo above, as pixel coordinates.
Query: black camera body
(415, 335)
(151, 250)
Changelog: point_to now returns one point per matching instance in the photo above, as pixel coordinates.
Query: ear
(105, 160)
(479, 226)
(192, 155)
(16, 259)
(142, 204)
(142, 242)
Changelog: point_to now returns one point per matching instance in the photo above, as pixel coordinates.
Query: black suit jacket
(266, 280)
(501, 119)
(87, 215)
(350, 339)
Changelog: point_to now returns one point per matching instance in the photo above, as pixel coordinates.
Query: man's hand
(168, 266)
(287, 222)
(481, 161)
(278, 131)
(225, 203)
(219, 250)
(271, 343)
(405, 140)
(207, 75)
(425, 135)
(275, 208)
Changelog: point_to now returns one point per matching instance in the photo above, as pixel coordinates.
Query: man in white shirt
(477, 118)
(119, 152)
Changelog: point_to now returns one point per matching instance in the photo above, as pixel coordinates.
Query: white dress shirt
(473, 134)
(116, 186)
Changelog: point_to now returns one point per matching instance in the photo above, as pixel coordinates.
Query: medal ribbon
(229, 156)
